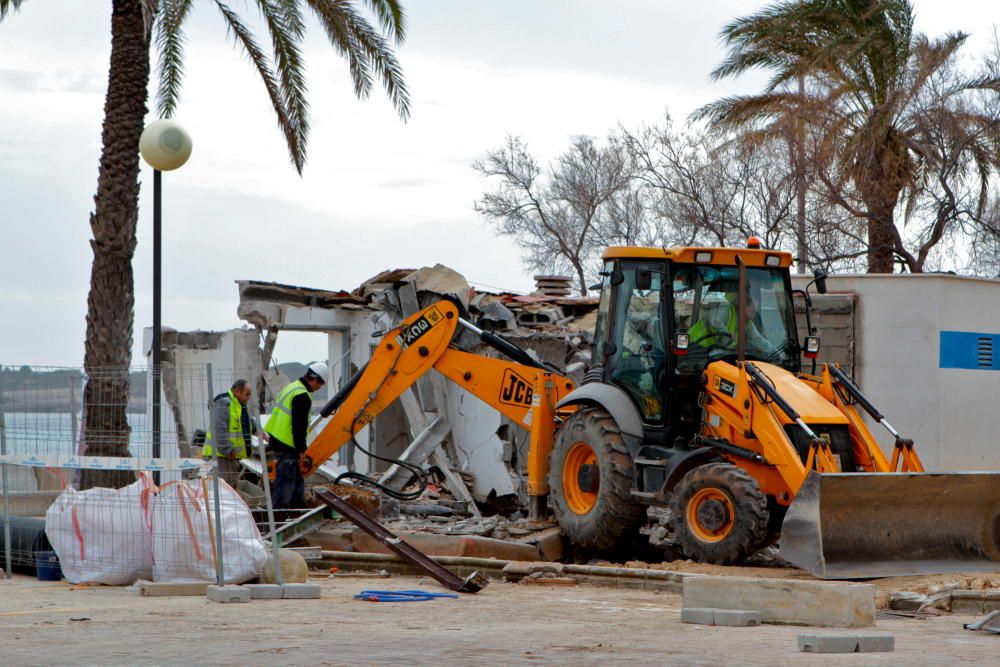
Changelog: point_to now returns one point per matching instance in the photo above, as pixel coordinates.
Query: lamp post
(165, 146)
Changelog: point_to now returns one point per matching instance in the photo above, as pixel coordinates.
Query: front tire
(590, 481)
(719, 513)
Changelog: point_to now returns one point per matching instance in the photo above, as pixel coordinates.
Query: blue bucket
(47, 565)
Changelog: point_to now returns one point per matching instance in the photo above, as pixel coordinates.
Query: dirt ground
(44, 623)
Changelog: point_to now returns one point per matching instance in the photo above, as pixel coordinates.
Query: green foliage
(883, 109)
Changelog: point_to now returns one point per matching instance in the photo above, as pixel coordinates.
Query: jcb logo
(421, 326)
(515, 390)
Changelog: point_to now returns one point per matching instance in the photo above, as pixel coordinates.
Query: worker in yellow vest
(287, 427)
(717, 329)
(230, 430)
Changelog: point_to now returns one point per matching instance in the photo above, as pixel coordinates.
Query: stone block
(849, 642)
(265, 591)
(156, 589)
(794, 602)
(300, 591)
(698, 615)
(738, 618)
(228, 593)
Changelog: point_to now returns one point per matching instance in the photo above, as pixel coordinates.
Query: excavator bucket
(868, 525)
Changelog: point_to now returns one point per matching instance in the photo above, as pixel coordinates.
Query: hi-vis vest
(703, 333)
(279, 424)
(235, 431)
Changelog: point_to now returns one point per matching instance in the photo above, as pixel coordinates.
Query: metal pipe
(216, 440)
(157, 325)
(6, 490)
(266, 482)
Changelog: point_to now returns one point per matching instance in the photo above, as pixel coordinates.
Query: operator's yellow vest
(279, 424)
(703, 333)
(235, 431)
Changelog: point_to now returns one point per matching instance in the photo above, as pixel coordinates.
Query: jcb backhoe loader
(695, 416)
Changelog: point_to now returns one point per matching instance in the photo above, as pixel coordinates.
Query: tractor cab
(665, 314)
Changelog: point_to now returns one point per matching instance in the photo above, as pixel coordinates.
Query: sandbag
(184, 548)
(103, 536)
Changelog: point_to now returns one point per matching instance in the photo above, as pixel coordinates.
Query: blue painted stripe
(970, 350)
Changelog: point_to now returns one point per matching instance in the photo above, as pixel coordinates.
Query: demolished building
(480, 454)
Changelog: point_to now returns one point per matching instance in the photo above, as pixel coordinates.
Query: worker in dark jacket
(287, 426)
(230, 431)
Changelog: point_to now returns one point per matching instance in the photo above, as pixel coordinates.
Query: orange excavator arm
(524, 390)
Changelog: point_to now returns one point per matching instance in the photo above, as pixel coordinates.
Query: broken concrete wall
(198, 365)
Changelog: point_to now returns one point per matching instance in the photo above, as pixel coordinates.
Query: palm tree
(110, 303)
(872, 93)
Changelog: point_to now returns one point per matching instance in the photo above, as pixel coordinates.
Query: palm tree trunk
(110, 304)
(881, 242)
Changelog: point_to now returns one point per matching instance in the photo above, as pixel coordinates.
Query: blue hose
(401, 596)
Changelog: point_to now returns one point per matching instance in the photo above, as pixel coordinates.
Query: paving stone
(698, 615)
(738, 618)
(300, 591)
(155, 589)
(849, 642)
(228, 593)
(265, 591)
(826, 604)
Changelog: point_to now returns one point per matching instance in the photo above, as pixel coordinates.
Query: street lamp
(165, 146)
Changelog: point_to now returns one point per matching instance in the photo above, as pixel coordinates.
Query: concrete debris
(440, 281)
(988, 623)
(490, 314)
(554, 285)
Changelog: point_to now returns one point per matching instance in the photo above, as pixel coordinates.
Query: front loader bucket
(867, 525)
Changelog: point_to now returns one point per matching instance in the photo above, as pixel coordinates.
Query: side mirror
(643, 279)
(811, 349)
(820, 279)
(617, 277)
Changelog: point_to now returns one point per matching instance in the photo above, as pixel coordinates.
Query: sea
(49, 433)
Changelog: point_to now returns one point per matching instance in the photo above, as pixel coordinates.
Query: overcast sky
(376, 193)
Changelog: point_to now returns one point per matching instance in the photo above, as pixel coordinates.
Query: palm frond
(368, 53)
(245, 39)
(9, 7)
(286, 28)
(391, 17)
(170, 44)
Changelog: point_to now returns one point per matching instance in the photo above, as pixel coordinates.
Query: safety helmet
(319, 369)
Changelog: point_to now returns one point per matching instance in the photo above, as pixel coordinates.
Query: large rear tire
(590, 481)
(719, 514)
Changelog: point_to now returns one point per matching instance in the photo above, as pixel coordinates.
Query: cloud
(59, 81)
(20, 81)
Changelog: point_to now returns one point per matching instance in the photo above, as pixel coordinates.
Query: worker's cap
(318, 369)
